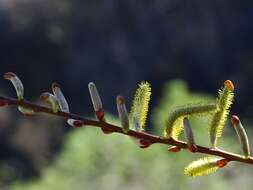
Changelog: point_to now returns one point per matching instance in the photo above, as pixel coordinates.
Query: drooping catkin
(175, 120)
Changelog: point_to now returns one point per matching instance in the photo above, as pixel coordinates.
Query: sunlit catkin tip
(95, 98)
(16, 83)
(229, 85)
(60, 97)
(222, 163)
(235, 120)
(75, 123)
(174, 149)
(123, 114)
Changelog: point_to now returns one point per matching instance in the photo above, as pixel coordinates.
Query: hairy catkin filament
(224, 102)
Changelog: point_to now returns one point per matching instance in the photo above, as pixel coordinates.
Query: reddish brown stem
(115, 129)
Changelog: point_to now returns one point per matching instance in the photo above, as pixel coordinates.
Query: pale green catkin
(175, 119)
(203, 166)
(224, 102)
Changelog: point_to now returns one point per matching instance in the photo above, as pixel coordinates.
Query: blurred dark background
(116, 44)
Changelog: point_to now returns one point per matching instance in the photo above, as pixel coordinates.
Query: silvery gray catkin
(242, 135)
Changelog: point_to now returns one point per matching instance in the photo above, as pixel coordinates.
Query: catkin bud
(52, 100)
(16, 83)
(242, 135)
(142, 143)
(95, 98)
(26, 111)
(222, 163)
(60, 97)
(75, 123)
(174, 149)
(189, 135)
(122, 112)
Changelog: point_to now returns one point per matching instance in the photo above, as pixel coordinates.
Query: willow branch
(116, 129)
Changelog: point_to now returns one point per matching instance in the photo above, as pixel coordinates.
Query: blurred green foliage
(92, 160)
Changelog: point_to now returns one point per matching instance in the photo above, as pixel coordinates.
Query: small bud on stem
(75, 123)
(174, 149)
(222, 163)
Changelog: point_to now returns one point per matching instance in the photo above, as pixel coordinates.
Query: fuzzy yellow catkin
(50, 99)
(203, 166)
(60, 97)
(224, 102)
(242, 135)
(140, 105)
(16, 83)
(175, 120)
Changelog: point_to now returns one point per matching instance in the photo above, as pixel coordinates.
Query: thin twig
(116, 129)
